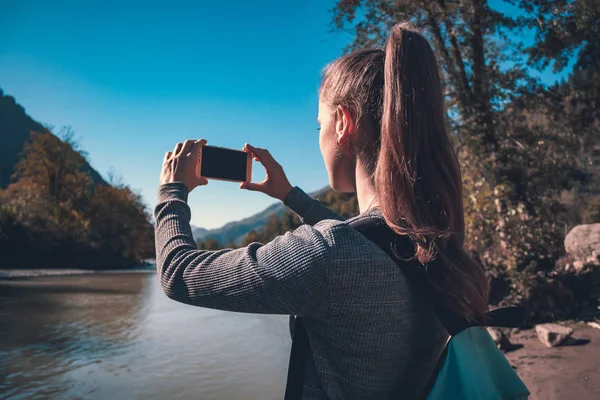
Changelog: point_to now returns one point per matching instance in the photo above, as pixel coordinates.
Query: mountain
(236, 231)
(60, 207)
(199, 232)
(15, 127)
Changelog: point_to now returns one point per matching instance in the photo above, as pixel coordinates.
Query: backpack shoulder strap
(401, 250)
(297, 363)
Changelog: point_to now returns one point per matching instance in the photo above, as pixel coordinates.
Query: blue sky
(133, 78)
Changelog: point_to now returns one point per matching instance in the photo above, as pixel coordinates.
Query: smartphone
(225, 164)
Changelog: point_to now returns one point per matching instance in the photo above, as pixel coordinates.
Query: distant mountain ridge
(15, 128)
(236, 231)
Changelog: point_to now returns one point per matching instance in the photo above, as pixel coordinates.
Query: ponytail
(417, 176)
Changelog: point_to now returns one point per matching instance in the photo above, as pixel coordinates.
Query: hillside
(15, 129)
(236, 231)
(197, 232)
(56, 211)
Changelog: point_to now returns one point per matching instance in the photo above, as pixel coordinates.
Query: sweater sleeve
(284, 276)
(311, 211)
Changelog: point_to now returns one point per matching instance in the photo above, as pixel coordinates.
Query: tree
(251, 237)
(119, 229)
(470, 41)
(209, 244)
(563, 29)
(56, 208)
(513, 170)
(51, 192)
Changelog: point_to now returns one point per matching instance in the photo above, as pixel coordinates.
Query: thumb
(255, 187)
(200, 181)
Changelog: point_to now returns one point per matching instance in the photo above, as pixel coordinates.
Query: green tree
(563, 29)
(209, 244)
(471, 42)
(119, 228)
(513, 170)
(57, 209)
(50, 193)
(251, 237)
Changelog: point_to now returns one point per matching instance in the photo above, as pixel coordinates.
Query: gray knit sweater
(369, 333)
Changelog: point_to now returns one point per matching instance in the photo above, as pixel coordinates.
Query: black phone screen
(223, 163)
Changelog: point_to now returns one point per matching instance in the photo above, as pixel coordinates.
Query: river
(117, 336)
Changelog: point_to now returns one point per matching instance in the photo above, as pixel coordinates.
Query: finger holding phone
(180, 164)
(276, 183)
(193, 163)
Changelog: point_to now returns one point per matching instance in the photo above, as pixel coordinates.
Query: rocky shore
(566, 371)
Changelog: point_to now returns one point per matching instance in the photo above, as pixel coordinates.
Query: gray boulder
(583, 241)
(553, 334)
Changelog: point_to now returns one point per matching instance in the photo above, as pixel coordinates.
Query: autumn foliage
(53, 215)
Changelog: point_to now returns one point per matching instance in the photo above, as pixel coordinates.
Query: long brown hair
(395, 97)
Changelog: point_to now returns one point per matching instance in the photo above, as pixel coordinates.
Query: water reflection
(117, 336)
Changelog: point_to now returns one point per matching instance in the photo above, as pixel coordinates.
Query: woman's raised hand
(180, 164)
(276, 183)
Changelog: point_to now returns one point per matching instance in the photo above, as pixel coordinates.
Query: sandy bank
(564, 372)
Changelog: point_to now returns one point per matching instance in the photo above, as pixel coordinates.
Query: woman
(383, 135)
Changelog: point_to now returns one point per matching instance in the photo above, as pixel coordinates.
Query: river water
(117, 336)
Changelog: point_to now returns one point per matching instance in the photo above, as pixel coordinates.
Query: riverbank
(45, 272)
(565, 372)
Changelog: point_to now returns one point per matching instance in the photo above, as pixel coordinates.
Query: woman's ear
(344, 125)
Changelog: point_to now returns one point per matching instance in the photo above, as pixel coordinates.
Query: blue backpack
(471, 366)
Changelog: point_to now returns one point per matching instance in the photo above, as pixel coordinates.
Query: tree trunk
(484, 119)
